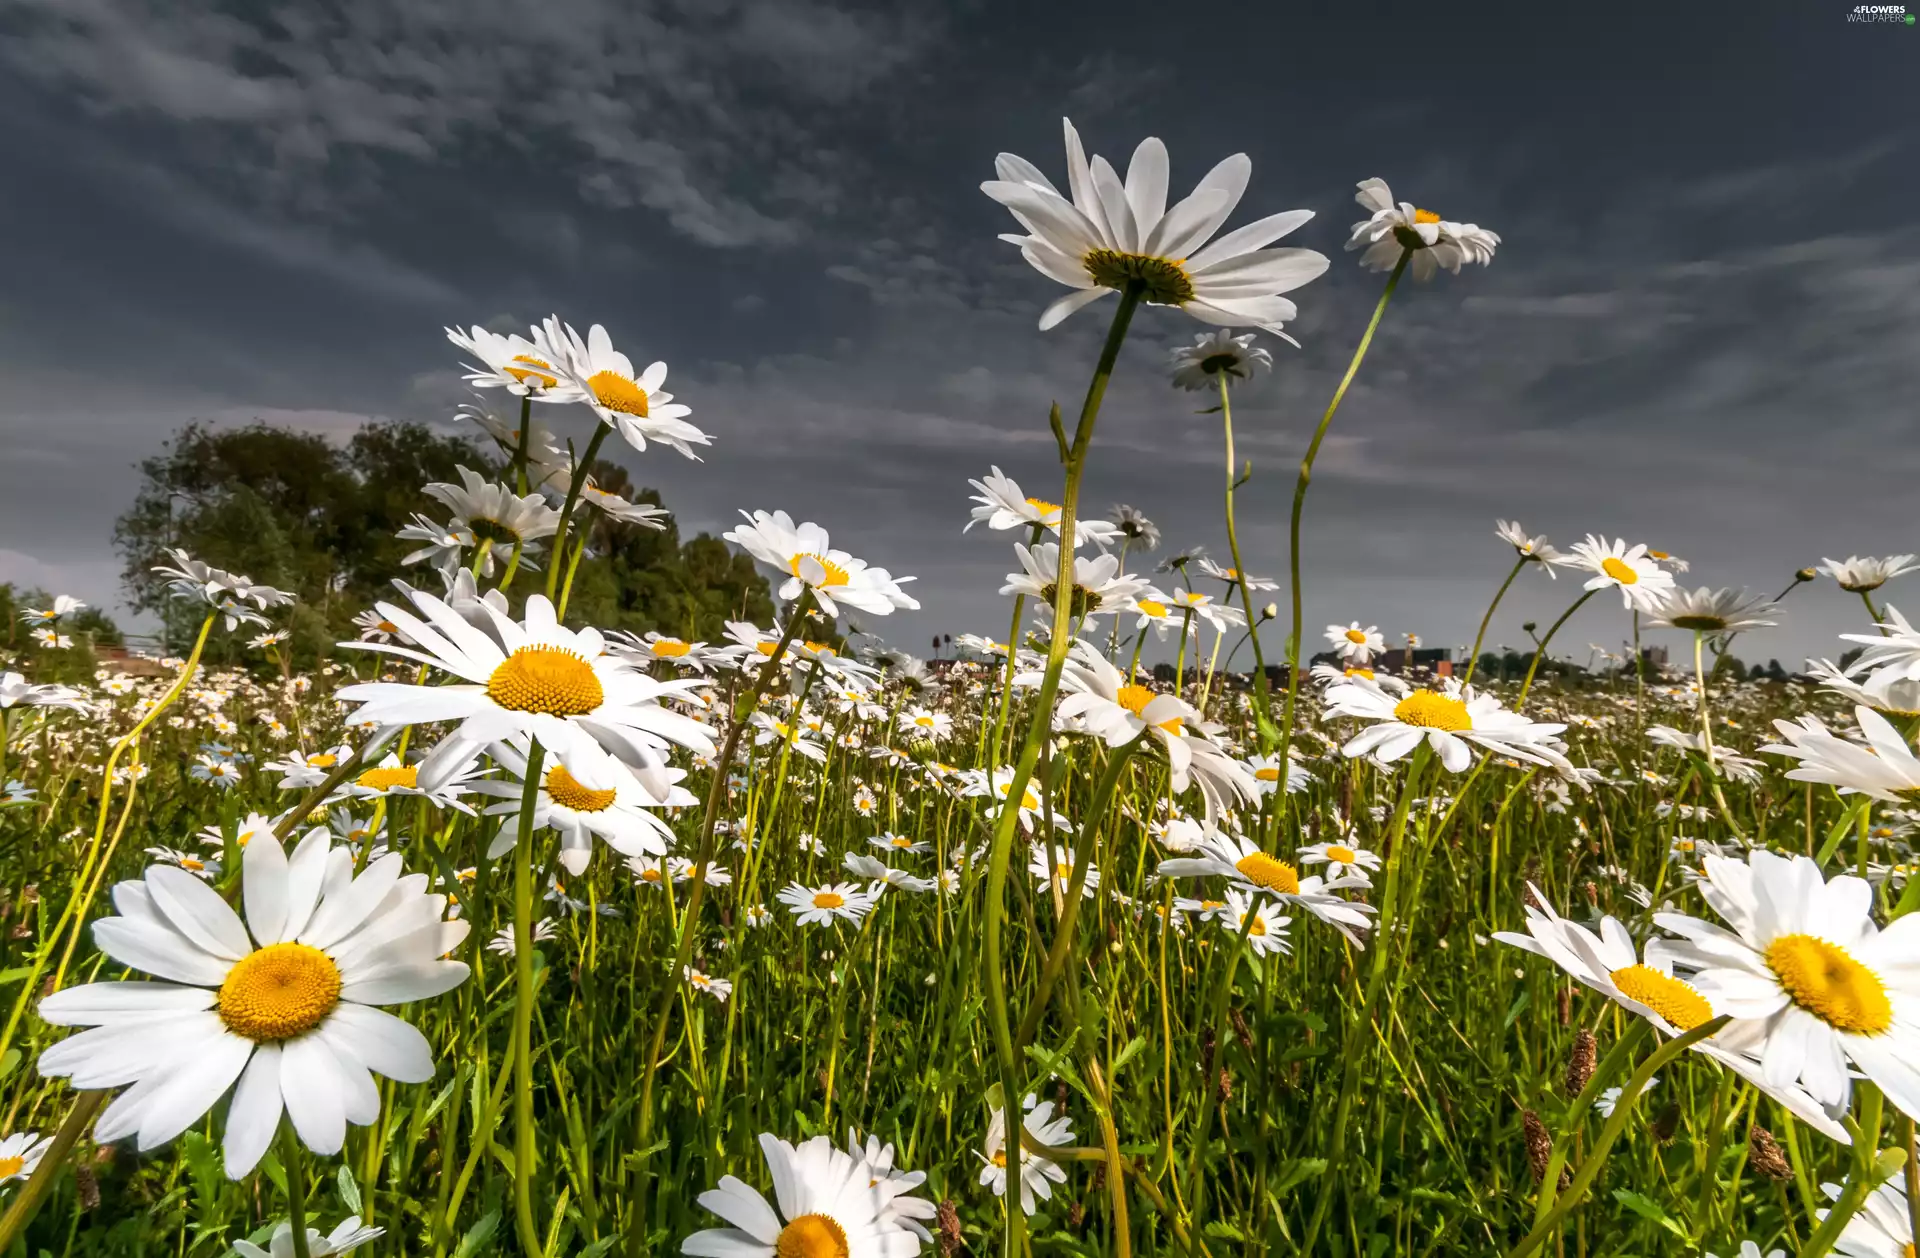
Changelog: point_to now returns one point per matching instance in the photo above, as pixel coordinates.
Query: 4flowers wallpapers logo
(269, 971)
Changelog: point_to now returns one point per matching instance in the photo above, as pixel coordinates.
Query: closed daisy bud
(1805, 574)
(1580, 1063)
(1765, 1155)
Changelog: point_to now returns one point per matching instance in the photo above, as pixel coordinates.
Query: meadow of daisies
(495, 934)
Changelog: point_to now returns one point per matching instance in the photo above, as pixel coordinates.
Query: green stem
(1540, 652)
(1473, 659)
(523, 1154)
(21, 1212)
(580, 473)
(1269, 737)
(1860, 1180)
(1299, 504)
(295, 1165)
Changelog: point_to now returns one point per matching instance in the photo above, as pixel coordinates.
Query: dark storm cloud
(1701, 330)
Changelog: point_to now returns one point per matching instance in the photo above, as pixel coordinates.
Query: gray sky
(1702, 331)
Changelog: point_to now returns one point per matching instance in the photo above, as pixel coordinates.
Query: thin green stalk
(1861, 1180)
(580, 473)
(523, 1130)
(294, 1162)
(1269, 736)
(1473, 658)
(1540, 652)
(1300, 499)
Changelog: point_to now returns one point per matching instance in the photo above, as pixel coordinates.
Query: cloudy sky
(1702, 330)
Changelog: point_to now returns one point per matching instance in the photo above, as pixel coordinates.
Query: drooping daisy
(282, 1002)
(444, 550)
(1001, 505)
(1811, 982)
(1098, 584)
(20, 1155)
(1233, 576)
(592, 794)
(1341, 860)
(831, 1205)
(819, 906)
(1241, 861)
(345, 1238)
(1708, 610)
(302, 770)
(631, 403)
(1038, 1173)
(225, 592)
(510, 362)
(880, 875)
(1860, 576)
(502, 941)
(1354, 644)
(491, 512)
(802, 552)
(1885, 768)
(1111, 234)
(442, 787)
(1394, 229)
(903, 844)
(534, 679)
(1643, 584)
(656, 646)
(718, 988)
(1219, 355)
(1534, 548)
(646, 515)
(1217, 615)
(1452, 720)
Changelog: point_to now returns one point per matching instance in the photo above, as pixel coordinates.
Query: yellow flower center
(1043, 506)
(565, 790)
(1344, 855)
(1152, 607)
(1658, 554)
(811, 1236)
(535, 371)
(1429, 709)
(835, 574)
(1266, 775)
(387, 626)
(1264, 871)
(1361, 672)
(1619, 571)
(390, 776)
(188, 862)
(1134, 698)
(901, 840)
(765, 648)
(650, 875)
(322, 760)
(1828, 983)
(1258, 926)
(279, 992)
(925, 722)
(1425, 216)
(1356, 637)
(547, 679)
(828, 900)
(9, 1167)
(1666, 995)
(1164, 281)
(617, 393)
(671, 648)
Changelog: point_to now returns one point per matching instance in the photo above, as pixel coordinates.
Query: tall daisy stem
(1861, 1180)
(1300, 501)
(1042, 721)
(21, 1212)
(1263, 701)
(523, 1130)
(1540, 652)
(580, 473)
(1706, 736)
(716, 792)
(295, 1166)
(1473, 659)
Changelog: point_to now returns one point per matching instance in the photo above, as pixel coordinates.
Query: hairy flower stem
(1300, 501)
(1622, 1110)
(1037, 730)
(1360, 1022)
(1540, 651)
(21, 1212)
(1269, 736)
(716, 792)
(1473, 659)
(90, 878)
(523, 1127)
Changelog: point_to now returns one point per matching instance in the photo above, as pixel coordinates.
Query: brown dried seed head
(1539, 1145)
(947, 1221)
(1580, 1062)
(1666, 1123)
(1765, 1154)
(1240, 1031)
(87, 1185)
(1563, 1000)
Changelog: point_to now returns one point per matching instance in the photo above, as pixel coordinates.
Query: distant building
(1437, 660)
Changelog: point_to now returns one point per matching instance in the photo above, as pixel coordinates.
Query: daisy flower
(300, 771)
(1253, 871)
(906, 1211)
(15, 691)
(594, 795)
(1266, 928)
(1883, 769)
(441, 788)
(509, 362)
(1135, 527)
(204, 870)
(282, 1002)
(926, 725)
(215, 771)
(629, 402)
(1884, 690)
(646, 515)
(1232, 576)
(1111, 234)
(1354, 644)
(1860, 576)
(819, 906)
(348, 1236)
(1266, 774)
(1811, 982)
(1341, 861)
(64, 605)
(718, 988)
(998, 784)
(1882, 1229)
(1000, 505)
(891, 842)
(655, 646)
(444, 549)
(1712, 611)
(834, 576)
(1218, 355)
(832, 1204)
(54, 640)
(1220, 616)
(533, 679)
(1534, 548)
(1098, 584)
(493, 513)
(1452, 721)
(1061, 870)
(20, 1155)
(1038, 1173)
(880, 876)
(1397, 229)
(1643, 583)
(502, 941)
(224, 591)
(1896, 649)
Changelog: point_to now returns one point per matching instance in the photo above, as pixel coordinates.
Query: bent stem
(1300, 498)
(1540, 652)
(716, 791)
(1473, 660)
(1616, 1123)
(523, 1130)
(998, 1020)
